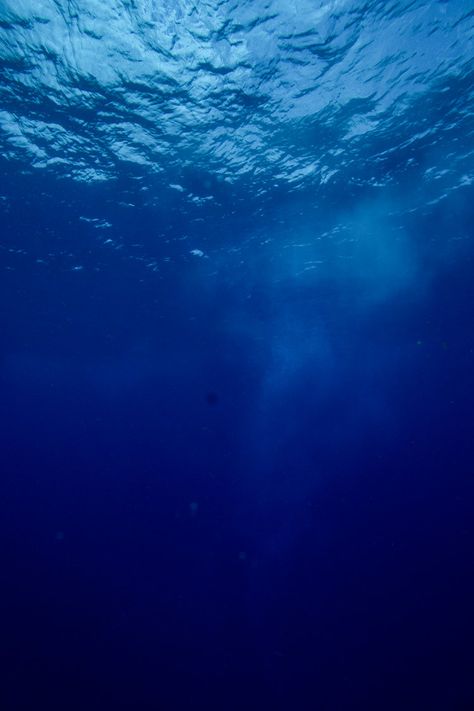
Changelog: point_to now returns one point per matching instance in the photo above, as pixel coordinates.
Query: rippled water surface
(293, 93)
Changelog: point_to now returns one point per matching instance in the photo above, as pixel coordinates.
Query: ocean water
(237, 355)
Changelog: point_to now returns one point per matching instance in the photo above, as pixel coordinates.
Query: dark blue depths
(181, 527)
(236, 423)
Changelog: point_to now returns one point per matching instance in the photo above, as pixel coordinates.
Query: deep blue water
(237, 350)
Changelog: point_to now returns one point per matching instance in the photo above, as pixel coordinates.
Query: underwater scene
(237, 355)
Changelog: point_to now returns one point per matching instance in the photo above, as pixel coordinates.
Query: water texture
(236, 354)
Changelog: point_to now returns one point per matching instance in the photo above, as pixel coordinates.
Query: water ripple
(297, 94)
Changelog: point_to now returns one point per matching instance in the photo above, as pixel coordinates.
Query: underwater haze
(237, 355)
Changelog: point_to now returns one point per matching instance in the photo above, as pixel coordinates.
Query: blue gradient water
(237, 348)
